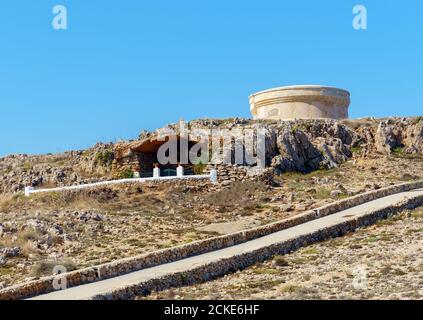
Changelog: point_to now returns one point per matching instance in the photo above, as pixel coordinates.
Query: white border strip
(212, 176)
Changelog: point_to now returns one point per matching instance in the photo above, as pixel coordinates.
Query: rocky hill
(51, 170)
(315, 163)
(301, 145)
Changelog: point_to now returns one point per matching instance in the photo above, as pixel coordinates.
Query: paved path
(89, 290)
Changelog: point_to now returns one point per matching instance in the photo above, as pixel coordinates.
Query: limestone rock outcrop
(74, 167)
(294, 145)
(388, 137)
(414, 138)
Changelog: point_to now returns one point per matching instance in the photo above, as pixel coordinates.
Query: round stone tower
(300, 102)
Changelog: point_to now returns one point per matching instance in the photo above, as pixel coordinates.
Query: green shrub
(8, 169)
(104, 158)
(26, 166)
(199, 168)
(126, 174)
(311, 251)
(28, 235)
(356, 149)
(398, 151)
(280, 261)
(45, 268)
(200, 165)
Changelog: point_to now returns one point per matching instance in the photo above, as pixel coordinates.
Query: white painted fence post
(156, 173)
(180, 171)
(213, 176)
(28, 191)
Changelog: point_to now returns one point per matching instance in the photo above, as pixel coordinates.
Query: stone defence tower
(300, 102)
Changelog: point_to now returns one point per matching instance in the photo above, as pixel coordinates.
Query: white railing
(212, 176)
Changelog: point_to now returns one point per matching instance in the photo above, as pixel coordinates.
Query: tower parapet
(300, 102)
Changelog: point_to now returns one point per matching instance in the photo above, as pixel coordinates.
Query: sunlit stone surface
(300, 102)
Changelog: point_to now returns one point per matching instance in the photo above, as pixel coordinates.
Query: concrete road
(87, 291)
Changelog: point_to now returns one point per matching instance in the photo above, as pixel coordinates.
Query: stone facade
(228, 174)
(300, 102)
(134, 162)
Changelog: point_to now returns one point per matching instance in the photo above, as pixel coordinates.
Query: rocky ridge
(55, 170)
(298, 145)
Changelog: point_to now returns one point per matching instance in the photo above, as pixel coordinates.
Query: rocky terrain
(314, 162)
(384, 261)
(291, 146)
(308, 145)
(55, 170)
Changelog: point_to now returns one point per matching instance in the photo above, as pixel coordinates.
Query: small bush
(398, 151)
(26, 166)
(322, 193)
(280, 261)
(290, 288)
(356, 149)
(45, 268)
(200, 165)
(28, 235)
(8, 169)
(418, 214)
(311, 251)
(4, 271)
(126, 174)
(104, 158)
(199, 168)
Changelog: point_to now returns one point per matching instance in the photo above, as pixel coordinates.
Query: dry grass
(247, 194)
(73, 200)
(417, 214)
(280, 261)
(46, 267)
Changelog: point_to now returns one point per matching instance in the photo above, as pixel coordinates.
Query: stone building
(300, 102)
(141, 156)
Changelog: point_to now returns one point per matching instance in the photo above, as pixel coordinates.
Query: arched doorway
(145, 154)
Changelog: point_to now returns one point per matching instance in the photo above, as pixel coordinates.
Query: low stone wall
(123, 266)
(173, 180)
(229, 173)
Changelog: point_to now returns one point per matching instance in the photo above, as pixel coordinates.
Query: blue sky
(123, 66)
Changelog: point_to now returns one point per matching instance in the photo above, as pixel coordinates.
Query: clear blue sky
(123, 66)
